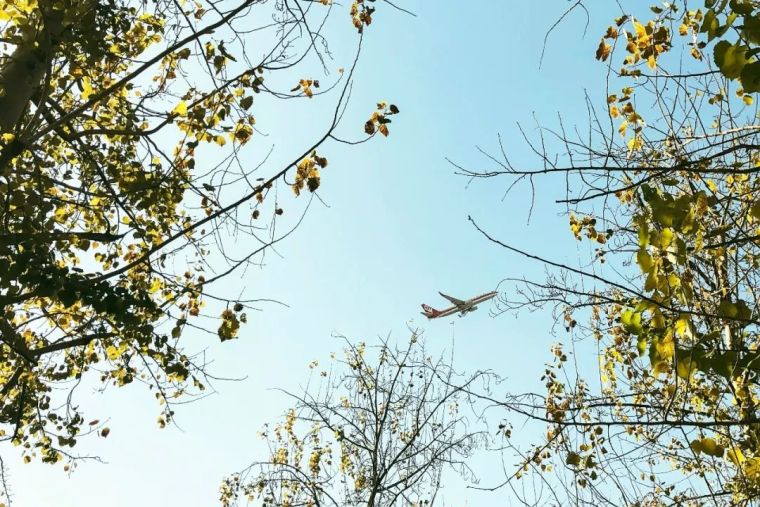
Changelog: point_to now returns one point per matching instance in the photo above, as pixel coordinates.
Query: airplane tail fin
(429, 311)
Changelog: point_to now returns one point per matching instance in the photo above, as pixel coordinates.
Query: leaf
(708, 446)
(751, 28)
(730, 58)
(750, 77)
(710, 25)
(246, 102)
(104, 432)
(180, 109)
(573, 459)
(685, 368)
(742, 7)
(666, 238)
(641, 31)
(682, 326)
(727, 309)
(641, 345)
(736, 456)
(229, 327)
(603, 51)
(631, 321)
(644, 260)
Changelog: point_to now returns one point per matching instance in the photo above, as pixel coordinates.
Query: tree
(376, 431)
(665, 188)
(125, 130)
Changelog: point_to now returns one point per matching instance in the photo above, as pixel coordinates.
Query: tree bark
(22, 73)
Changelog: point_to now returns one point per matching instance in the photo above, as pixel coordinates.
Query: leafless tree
(383, 426)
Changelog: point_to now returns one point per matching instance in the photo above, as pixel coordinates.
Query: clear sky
(395, 233)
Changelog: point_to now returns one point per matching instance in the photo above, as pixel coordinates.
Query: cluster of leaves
(379, 429)
(673, 179)
(110, 112)
(307, 173)
(737, 60)
(679, 361)
(378, 121)
(361, 14)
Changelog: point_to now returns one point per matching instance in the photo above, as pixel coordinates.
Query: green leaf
(246, 102)
(741, 6)
(631, 321)
(750, 77)
(751, 29)
(712, 448)
(643, 235)
(730, 58)
(727, 309)
(67, 297)
(710, 25)
(573, 458)
(724, 364)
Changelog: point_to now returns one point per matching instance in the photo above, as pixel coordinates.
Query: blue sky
(395, 233)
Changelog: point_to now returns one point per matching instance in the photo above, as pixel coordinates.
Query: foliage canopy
(125, 167)
(664, 188)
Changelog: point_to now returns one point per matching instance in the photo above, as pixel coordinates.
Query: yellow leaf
(736, 456)
(651, 62)
(112, 352)
(682, 326)
(635, 144)
(641, 30)
(181, 109)
(644, 260)
(155, 285)
(666, 237)
(86, 88)
(623, 128)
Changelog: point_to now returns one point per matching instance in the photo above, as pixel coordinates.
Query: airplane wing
(453, 301)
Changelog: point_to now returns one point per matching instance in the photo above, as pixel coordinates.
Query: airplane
(463, 307)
